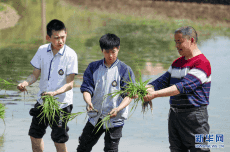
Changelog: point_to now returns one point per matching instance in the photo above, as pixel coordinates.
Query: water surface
(140, 133)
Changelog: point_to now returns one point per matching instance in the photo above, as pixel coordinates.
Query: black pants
(89, 138)
(183, 125)
(59, 130)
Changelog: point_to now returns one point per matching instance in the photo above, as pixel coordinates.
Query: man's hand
(30, 80)
(48, 93)
(150, 95)
(22, 86)
(113, 112)
(90, 107)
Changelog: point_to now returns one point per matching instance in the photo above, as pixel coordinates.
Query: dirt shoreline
(212, 14)
(8, 17)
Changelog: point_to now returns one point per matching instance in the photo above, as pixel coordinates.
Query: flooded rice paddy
(139, 133)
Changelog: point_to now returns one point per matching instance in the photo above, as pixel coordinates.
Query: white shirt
(54, 70)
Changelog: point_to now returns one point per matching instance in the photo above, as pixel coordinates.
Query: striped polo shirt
(100, 80)
(192, 78)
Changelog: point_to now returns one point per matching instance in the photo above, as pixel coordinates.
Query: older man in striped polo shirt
(187, 82)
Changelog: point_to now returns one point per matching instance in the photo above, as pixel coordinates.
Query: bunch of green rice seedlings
(105, 122)
(2, 112)
(141, 92)
(49, 108)
(132, 89)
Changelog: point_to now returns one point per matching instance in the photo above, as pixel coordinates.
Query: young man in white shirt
(57, 64)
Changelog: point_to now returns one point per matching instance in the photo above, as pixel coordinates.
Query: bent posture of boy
(57, 63)
(187, 82)
(100, 78)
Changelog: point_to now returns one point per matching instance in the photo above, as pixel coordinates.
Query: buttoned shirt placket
(52, 57)
(105, 89)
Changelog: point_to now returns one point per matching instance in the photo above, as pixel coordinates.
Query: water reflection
(142, 47)
(1, 142)
(139, 43)
(216, 50)
(2, 139)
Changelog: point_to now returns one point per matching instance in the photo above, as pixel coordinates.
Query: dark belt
(186, 108)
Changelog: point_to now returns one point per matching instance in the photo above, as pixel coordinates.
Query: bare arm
(30, 80)
(169, 91)
(125, 102)
(68, 86)
(87, 98)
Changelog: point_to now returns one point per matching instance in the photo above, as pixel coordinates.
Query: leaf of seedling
(105, 122)
(5, 84)
(2, 112)
(70, 116)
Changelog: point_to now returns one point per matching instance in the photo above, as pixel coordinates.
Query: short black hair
(187, 32)
(55, 25)
(109, 41)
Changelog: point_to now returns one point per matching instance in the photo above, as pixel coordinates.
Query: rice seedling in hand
(2, 112)
(134, 89)
(105, 122)
(141, 91)
(49, 109)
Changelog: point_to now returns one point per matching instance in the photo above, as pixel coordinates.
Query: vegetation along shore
(145, 28)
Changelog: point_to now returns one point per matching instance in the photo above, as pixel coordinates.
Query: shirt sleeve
(36, 60)
(161, 82)
(88, 83)
(194, 78)
(72, 67)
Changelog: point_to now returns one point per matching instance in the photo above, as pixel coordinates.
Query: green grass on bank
(142, 39)
(2, 7)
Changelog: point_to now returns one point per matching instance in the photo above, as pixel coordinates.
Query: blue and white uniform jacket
(99, 80)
